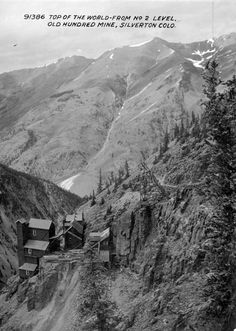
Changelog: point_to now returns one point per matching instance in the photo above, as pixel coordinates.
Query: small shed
(101, 242)
(28, 270)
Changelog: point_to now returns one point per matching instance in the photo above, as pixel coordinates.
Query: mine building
(101, 242)
(74, 228)
(34, 239)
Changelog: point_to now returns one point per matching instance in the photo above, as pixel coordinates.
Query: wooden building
(34, 240)
(101, 241)
(74, 228)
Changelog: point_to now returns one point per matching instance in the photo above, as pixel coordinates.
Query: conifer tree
(182, 129)
(166, 141)
(102, 201)
(220, 188)
(193, 118)
(93, 202)
(127, 174)
(176, 131)
(99, 189)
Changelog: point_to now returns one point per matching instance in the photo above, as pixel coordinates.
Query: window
(27, 272)
(29, 251)
(34, 233)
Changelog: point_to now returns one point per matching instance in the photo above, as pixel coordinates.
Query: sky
(28, 43)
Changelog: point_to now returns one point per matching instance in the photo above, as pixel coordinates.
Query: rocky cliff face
(75, 116)
(22, 195)
(162, 275)
(163, 242)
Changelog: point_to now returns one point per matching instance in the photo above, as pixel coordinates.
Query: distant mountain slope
(79, 115)
(22, 195)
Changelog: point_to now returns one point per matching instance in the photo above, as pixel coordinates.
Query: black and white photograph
(117, 165)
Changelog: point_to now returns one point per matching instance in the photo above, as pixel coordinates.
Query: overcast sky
(30, 43)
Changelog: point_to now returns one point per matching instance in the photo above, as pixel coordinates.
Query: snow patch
(141, 44)
(210, 41)
(196, 63)
(204, 52)
(67, 184)
(209, 57)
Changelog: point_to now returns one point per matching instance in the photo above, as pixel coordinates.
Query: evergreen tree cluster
(219, 131)
(113, 179)
(117, 179)
(188, 128)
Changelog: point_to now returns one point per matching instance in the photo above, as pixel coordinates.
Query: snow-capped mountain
(66, 120)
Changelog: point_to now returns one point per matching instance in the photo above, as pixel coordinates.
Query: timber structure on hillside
(38, 244)
(34, 239)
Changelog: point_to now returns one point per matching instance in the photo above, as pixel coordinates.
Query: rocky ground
(159, 273)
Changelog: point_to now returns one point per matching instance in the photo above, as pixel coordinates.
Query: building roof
(105, 234)
(78, 226)
(28, 267)
(60, 233)
(95, 236)
(99, 236)
(79, 216)
(37, 244)
(21, 220)
(36, 223)
(70, 218)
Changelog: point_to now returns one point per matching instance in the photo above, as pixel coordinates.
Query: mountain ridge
(107, 110)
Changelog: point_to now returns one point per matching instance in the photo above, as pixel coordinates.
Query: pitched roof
(99, 236)
(37, 244)
(78, 226)
(21, 220)
(60, 233)
(79, 216)
(95, 236)
(105, 234)
(28, 266)
(70, 218)
(36, 223)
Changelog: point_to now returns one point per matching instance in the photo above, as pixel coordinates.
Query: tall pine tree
(220, 189)
(99, 189)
